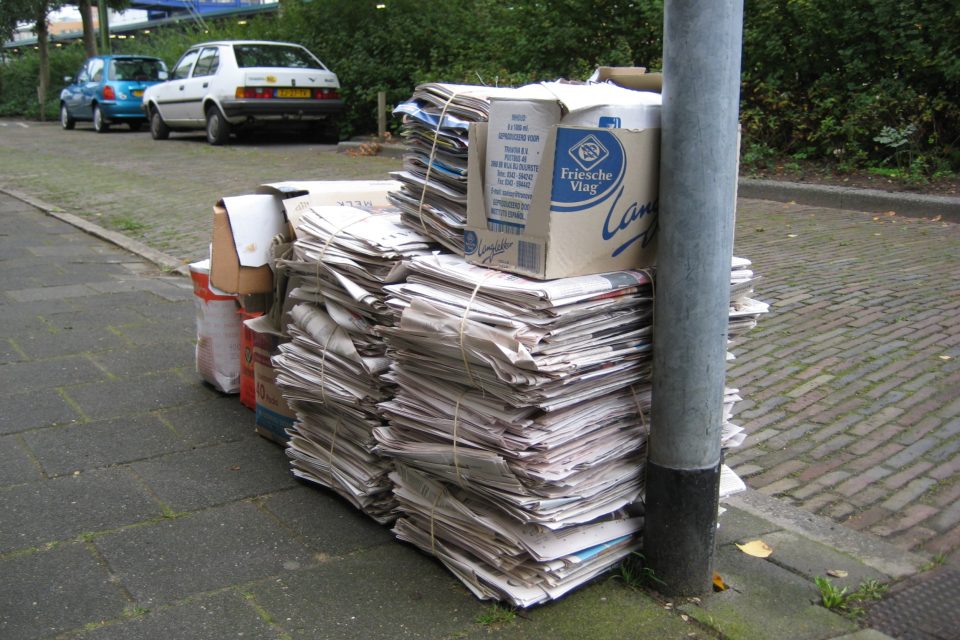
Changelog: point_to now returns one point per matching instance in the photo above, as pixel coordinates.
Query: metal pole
(381, 115)
(702, 43)
(104, 26)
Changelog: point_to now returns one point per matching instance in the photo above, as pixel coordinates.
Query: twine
(433, 152)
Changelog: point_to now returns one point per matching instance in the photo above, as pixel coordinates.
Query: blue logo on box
(469, 242)
(589, 169)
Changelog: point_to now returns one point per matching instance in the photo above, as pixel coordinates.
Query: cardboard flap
(254, 221)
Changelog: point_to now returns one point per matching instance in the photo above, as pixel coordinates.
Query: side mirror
(162, 75)
(68, 79)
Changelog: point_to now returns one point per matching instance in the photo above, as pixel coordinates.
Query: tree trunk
(42, 41)
(89, 39)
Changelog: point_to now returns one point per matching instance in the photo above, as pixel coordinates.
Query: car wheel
(135, 125)
(218, 129)
(99, 124)
(66, 120)
(158, 128)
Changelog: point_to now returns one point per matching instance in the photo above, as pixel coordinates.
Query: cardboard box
(244, 226)
(273, 415)
(594, 206)
(630, 78)
(218, 331)
(248, 393)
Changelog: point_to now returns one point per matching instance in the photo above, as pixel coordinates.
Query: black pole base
(680, 528)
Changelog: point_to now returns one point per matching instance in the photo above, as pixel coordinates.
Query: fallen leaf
(791, 235)
(718, 583)
(837, 573)
(946, 357)
(684, 617)
(756, 548)
(235, 467)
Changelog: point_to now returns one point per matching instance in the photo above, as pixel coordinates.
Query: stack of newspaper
(433, 197)
(330, 371)
(520, 418)
(519, 423)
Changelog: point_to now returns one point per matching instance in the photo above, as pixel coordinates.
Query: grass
(496, 614)
(846, 602)
(632, 572)
(126, 223)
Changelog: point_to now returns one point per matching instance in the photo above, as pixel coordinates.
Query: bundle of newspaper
(330, 371)
(744, 312)
(433, 197)
(527, 401)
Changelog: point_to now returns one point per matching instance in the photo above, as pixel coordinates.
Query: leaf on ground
(756, 548)
(718, 583)
(837, 573)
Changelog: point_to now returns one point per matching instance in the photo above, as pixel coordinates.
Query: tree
(14, 12)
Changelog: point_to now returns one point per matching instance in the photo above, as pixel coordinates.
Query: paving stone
(54, 590)
(44, 344)
(176, 558)
(23, 411)
(84, 446)
(159, 356)
(16, 465)
(217, 474)
(325, 522)
(126, 396)
(44, 375)
(62, 508)
(222, 615)
(787, 600)
(374, 594)
(218, 418)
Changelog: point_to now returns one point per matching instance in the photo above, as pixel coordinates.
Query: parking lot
(849, 384)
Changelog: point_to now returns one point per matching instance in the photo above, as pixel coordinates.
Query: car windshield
(136, 69)
(271, 55)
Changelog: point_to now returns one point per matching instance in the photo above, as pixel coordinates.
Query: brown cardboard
(226, 272)
(618, 232)
(635, 78)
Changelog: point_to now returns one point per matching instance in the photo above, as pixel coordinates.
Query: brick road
(849, 384)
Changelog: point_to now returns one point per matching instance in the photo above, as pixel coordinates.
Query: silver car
(234, 86)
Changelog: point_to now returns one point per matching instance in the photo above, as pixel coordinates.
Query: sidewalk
(137, 502)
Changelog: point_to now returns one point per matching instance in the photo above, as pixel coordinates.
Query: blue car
(108, 90)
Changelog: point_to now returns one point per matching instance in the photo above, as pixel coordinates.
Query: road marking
(22, 125)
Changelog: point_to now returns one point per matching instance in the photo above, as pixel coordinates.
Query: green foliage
(836, 77)
(496, 614)
(848, 603)
(633, 572)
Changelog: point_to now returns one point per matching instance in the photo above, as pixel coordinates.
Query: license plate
(293, 93)
(137, 93)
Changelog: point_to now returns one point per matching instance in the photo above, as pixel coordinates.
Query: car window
(182, 70)
(208, 62)
(82, 75)
(95, 70)
(136, 69)
(273, 55)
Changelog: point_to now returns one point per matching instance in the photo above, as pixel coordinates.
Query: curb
(158, 258)
(851, 199)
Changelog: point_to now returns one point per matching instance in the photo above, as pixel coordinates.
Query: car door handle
(181, 87)
(206, 84)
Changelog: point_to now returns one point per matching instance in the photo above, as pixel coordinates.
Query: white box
(594, 206)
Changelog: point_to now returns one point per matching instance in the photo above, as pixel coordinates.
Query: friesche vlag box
(594, 207)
